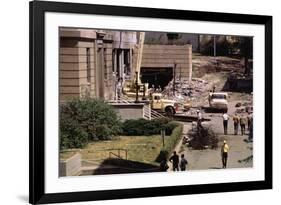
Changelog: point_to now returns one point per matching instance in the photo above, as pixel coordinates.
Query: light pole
(215, 50)
(163, 136)
(137, 88)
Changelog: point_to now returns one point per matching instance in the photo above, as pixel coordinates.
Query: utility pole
(215, 46)
(215, 51)
(180, 74)
(199, 46)
(163, 136)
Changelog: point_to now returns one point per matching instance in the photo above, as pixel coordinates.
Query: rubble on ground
(238, 104)
(185, 90)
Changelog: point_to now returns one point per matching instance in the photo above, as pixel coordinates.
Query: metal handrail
(119, 154)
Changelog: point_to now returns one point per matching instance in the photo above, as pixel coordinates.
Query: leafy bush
(202, 138)
(91, 116)
(145, 127)
(72, 135)
(170, 143)
(170, 126)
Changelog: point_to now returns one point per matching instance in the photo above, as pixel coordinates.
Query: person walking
(249, 119)
(163, 165)
(199, 119)
(152, 88)
(236, 123)
(225, 117)
(250, 138)
(175, 161)
(159, 89)
(119, 88)
(243, 120)
(183, 163)
(224, 154)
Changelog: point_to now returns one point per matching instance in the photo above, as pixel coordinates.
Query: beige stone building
(85, 63)
(92, 61)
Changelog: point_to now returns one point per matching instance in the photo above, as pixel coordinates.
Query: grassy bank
(143, 149)
(140, 148)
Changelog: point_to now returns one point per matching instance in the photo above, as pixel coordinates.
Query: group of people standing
(178, 163)
(238, 119)
(154, 89)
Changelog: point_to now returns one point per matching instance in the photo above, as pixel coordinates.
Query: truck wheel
(170, 111)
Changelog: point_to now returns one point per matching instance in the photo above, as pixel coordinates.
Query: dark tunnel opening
(156, 76)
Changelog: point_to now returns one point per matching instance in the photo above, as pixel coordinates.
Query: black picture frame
(37, 9)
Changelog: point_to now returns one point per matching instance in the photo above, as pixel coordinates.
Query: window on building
(88, 62)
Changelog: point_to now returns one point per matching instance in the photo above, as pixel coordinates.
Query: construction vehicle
(129, 87)
(160, 104)
(218, 100)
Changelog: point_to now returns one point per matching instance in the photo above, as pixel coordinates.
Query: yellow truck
(170, 107)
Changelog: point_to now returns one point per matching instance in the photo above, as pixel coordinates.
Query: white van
(218, 100)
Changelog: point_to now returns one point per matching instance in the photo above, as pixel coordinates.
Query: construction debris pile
(183, 90)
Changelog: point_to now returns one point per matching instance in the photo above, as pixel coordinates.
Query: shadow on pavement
(215, 168)
(122, 166)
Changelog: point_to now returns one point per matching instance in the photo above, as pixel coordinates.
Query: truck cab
(170, 107)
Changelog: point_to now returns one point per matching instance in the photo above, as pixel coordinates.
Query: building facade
(85, 64)
(92, 62)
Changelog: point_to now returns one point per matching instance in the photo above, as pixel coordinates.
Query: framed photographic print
(140, 102)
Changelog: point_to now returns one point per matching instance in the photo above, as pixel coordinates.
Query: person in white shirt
(200, 118)
(225, 117)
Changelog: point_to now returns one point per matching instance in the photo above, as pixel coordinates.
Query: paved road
(186, 127)
(211, 159)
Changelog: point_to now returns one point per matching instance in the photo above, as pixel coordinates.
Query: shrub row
(170, 143)
(143, 127)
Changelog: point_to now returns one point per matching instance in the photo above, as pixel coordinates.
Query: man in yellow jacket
(224, 153)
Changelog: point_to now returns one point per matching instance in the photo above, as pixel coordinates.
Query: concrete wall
(129, 111)
(166, 56)
(71, 166)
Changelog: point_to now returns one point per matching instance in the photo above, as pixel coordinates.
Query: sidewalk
(186, 127)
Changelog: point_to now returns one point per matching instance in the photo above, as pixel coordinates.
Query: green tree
(246, 51)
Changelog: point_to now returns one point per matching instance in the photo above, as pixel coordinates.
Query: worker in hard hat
(224, 153)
